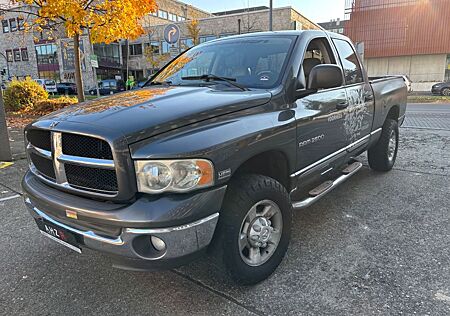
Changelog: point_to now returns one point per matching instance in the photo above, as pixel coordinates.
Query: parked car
(108, 86)
(216, 161)
(442, 88)
(66, 88)
(48, 84)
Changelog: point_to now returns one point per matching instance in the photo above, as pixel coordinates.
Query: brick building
(403, 37)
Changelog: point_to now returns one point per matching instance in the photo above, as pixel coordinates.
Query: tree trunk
(77, 64)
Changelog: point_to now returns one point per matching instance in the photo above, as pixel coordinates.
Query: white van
(48, 84)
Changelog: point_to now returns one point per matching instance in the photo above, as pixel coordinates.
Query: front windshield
(255, 62)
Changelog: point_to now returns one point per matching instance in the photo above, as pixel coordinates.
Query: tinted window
(352, 69)
(253, 62)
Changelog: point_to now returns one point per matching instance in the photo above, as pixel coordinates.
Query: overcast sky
(316, 10)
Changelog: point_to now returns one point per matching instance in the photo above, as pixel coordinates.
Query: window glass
(13, 25)
(318, 52)
(352, 69)
(17, 56)
(9, 55)
(50, 82)
(165, 47)
(5, 26)
(21, 24)
(207, 38)
(186, 43)
(252, 62)
(24, 52)
(136, 49)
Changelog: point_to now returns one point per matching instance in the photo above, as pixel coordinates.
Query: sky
(316, 10)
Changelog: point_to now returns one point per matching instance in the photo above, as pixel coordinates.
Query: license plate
(58, 234)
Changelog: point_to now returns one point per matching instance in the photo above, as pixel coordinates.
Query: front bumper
(124, 231)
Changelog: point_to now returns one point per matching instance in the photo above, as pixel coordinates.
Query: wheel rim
(392, 145)
(260, 233)
(446, 92)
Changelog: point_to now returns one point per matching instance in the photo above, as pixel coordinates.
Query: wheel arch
(272, 163)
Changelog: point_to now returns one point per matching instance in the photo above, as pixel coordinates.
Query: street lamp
(271, 16)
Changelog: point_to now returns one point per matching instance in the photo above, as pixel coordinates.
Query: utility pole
(5, 149)
(271, 16)
(94, 70)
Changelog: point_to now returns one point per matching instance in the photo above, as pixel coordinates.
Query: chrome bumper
(134, 243)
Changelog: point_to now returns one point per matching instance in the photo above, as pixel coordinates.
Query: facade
(36, 56)
(141, 63)
(403, 37)
(336, 26)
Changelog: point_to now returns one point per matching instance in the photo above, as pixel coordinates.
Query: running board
(327, 186)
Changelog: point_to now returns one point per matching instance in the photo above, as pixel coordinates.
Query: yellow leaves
(108, 20)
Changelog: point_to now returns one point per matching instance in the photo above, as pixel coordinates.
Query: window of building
(5, 26)
(207, 38)
(17, 56)
(135, 49)
(21, 24)
(24, 53)
(154, 45)
(9, 55)
(13, 25)
(181, 18)
(46, 54)
(162, 14)
(352, 68)
(186, 43)
(165, 47)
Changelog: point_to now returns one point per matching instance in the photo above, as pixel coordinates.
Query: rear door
(358, 117)
(321, 135)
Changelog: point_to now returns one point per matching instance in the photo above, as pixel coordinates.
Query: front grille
(40, 138)
(85, 146)
(43, 165)
(91, 178)
(74, 161)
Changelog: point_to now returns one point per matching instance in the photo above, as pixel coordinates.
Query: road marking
(442, 297)
(9, 198)
(5, 164)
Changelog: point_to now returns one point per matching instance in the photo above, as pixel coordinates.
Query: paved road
(428, 116)
(377, 245)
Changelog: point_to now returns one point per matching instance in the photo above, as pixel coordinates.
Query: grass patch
(428, 99)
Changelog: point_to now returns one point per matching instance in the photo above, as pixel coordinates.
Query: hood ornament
(53, 124)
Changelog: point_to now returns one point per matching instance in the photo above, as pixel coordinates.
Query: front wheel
(382, 156)
(255, 227)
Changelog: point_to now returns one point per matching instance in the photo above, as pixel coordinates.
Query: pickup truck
(213, 154)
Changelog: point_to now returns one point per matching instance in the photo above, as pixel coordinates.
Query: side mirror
(325, 77)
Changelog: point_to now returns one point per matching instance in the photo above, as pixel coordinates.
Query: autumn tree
(194, 30)
(106, 20)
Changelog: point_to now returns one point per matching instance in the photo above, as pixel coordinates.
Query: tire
(245, 194)
(446, 92)
(382, 156)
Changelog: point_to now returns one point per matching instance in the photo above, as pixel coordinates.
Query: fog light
(158, 243)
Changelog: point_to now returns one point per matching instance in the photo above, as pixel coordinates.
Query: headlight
(157, 176)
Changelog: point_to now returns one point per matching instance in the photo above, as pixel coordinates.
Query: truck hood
(146, 112)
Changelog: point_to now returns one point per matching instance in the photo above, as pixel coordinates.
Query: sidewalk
(17, 143)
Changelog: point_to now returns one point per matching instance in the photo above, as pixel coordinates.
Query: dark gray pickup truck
(213, 154)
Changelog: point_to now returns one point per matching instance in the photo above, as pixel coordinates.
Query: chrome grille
(78, 162)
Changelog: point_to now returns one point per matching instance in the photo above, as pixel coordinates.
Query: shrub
(43, 107)
(21, 94)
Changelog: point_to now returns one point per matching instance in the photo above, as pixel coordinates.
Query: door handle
(342, 105)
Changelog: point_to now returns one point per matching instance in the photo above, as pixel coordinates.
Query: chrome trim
(88, 234)
(146, 231)
(89, 162)
(312, 199)
(335, 153)
(39, 151)
(60, 172)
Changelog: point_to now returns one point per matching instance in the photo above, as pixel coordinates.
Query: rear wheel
(446, 92)
(255, 227)
(382, 156)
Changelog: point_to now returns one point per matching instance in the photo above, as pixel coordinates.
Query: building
(35, 55)
(403, 37)
(141, 63)
(335, 25)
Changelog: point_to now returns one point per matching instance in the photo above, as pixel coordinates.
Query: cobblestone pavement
(428, 116)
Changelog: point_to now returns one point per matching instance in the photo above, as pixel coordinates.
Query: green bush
(22, 94)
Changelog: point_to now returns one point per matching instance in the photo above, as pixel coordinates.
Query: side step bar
(327, 186)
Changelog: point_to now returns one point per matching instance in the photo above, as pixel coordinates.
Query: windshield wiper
(210, 77)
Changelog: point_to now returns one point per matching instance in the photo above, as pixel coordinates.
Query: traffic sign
(171, 33)
(94, 61)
